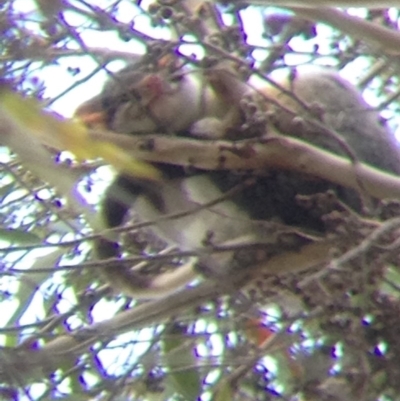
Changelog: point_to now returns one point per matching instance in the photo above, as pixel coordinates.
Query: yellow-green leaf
(70, 135)
(224, 392)
(184, 375)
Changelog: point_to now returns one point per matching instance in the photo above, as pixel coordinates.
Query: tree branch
(382, 38)
(67, 347)
(314, 4)
(275, 152)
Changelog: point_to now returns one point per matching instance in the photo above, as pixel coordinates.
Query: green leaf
(71, 135)
(224, 392)
(179, 358)
(19, 237)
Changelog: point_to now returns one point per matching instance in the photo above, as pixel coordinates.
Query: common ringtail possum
(213, 106)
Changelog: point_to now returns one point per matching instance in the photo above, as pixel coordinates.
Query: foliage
(326, 334)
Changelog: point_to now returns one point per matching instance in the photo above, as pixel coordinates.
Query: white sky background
(58, 79)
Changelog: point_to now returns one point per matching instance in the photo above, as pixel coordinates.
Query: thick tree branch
(378, 36)
(275, 152)
(325, 3)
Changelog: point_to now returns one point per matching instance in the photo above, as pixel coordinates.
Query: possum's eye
(134, 93)
(130, 96)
